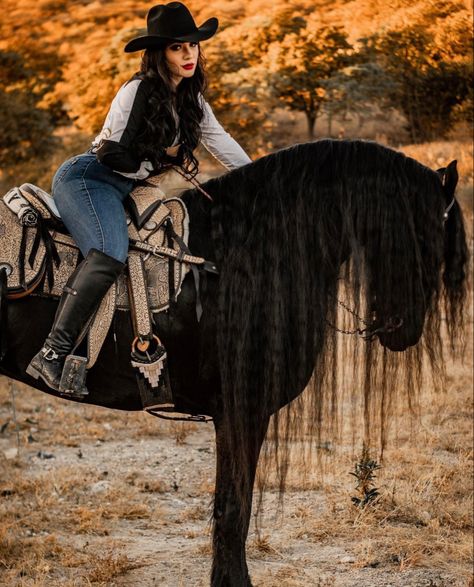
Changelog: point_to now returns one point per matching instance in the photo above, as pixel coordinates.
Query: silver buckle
(49, 354)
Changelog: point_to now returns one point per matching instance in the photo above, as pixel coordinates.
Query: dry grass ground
(106, 498)
(97, 497)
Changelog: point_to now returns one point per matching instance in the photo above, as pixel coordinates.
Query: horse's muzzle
(397, 334)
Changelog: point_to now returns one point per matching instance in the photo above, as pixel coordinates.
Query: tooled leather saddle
(37, 256)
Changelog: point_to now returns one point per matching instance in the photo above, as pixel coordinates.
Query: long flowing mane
(293, 233)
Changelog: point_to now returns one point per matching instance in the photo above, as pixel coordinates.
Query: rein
(193, 181)
(368, 334)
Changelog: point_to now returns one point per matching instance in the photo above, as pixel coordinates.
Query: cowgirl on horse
(156, 120)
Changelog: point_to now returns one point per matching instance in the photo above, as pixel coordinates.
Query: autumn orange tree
(284, 58)
(359, 91)
(238, 76)
(303, 68)
(26, 128)
(29, 69)
(430, 63)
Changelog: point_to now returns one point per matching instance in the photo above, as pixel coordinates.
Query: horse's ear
(450, 178)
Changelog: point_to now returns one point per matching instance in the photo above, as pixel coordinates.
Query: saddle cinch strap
(39, 258)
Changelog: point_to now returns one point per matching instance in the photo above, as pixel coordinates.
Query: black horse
(290, 233)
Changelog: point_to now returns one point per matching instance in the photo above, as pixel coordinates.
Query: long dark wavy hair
(160, 125)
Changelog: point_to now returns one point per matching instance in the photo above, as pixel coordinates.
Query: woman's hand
(173, 151)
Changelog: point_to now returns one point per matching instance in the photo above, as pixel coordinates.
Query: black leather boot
(80, 299)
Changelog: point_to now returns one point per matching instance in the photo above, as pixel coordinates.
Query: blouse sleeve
(220, 143)
(113, 146)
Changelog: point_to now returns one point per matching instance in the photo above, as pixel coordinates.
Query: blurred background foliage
(279, 72)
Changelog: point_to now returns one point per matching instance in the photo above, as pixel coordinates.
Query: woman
(156, 119)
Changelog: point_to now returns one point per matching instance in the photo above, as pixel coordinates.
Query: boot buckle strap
(49, 354)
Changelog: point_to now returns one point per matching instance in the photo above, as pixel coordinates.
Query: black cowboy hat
(171, 22)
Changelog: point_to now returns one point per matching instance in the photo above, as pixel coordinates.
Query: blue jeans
(89, 198)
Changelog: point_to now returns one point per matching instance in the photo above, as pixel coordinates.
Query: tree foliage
(430, 64)
(26, 126)
(62, 63)
(302, 65)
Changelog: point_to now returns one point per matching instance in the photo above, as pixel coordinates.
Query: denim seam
(92, 206)
(66, 170)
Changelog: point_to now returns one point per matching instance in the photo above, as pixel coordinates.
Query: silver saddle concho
(37, 255)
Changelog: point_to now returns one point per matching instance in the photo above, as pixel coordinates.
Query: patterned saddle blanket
(38, 255)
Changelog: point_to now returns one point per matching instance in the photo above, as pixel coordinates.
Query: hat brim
(204, 32)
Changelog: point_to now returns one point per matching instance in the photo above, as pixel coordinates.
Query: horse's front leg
(232, 509)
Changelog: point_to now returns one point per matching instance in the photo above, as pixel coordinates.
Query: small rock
(100, 486)
(10, 453)
(45, 455)
(425, 516)
(347, 559)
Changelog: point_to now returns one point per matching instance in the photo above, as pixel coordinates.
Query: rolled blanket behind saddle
(27, 215)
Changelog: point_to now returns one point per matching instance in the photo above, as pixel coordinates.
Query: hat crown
(170, 20)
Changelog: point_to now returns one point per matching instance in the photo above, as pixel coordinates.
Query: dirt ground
(99, 497)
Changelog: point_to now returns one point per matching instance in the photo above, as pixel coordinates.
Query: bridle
(442, 176)
(447, 209)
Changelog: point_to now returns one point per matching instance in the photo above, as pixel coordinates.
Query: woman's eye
(175, 47)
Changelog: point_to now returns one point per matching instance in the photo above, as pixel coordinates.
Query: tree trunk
(311, 121)
(329, 124)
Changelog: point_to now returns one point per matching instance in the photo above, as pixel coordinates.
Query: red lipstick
(188, 66)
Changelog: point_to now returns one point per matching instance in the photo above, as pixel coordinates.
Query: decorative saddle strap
(100, 325)
(139, 306)
(148, 355)
(167, 252)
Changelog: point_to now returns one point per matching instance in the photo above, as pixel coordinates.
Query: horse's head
(426, 251)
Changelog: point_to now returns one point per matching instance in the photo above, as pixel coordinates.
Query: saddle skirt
(39, 255)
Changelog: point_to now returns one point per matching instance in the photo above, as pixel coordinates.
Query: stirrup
(73, 378)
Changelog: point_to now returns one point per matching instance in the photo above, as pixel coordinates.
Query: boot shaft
(80, 299)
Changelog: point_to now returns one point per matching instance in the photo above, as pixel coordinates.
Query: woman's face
(182, 59)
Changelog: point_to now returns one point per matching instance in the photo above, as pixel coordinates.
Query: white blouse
(113, 145)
